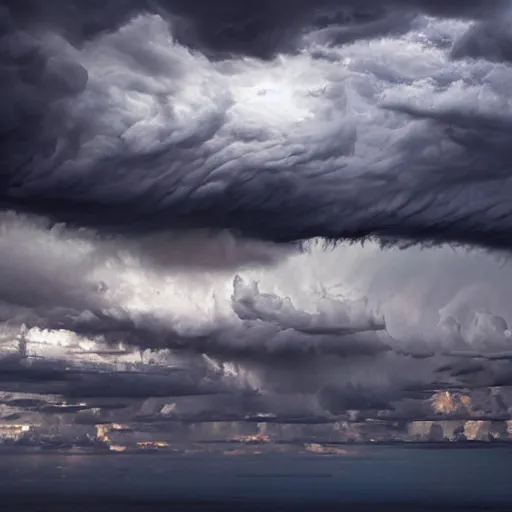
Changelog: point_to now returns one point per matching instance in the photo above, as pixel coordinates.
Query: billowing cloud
(158, 154)
(360, 329)
(381, 133)
(344, 318)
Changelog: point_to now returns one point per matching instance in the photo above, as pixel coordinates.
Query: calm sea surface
(366, 478)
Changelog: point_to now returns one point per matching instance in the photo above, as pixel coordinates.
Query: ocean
(372, 478)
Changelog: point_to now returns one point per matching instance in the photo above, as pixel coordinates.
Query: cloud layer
(383, 119)
(170, 168)
(90, 323)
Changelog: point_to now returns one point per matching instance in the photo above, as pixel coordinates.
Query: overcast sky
(296, 208)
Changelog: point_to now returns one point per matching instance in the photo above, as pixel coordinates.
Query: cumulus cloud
(344, 318)
(358, 330)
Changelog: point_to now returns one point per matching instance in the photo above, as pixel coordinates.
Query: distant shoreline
(220, 447)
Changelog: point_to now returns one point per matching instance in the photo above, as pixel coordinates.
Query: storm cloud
(182, 184)
(354, 127)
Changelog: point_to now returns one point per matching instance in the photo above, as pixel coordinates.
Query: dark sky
(184, 186)
(394, 117)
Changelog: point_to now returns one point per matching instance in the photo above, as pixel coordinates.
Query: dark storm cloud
(266, 327)
(50, 276)
(227, 26)
(89, 395)
(159, 124)
(264, 28)
(245, 341)
(489, 39)
(107, 121)
(75, 380)
(268, 344)
(205, 250)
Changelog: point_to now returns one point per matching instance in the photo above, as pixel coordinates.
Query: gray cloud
(489, 39)
(192, 139)
(347, 318)
(330, 347)
(75, 380)
(225, 27)
(125, 137)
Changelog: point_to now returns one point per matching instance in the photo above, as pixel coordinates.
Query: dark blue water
(374, 478)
